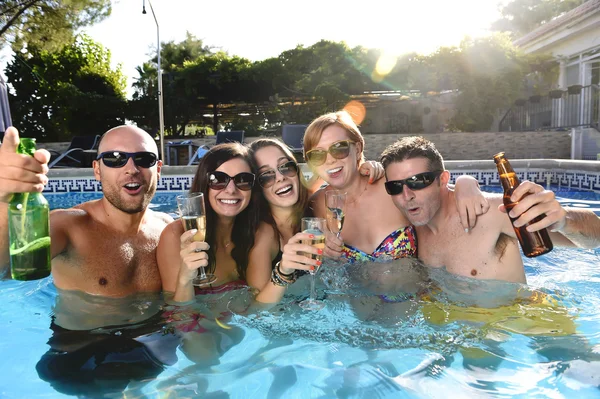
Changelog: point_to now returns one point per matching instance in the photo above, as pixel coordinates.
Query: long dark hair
(300, 207)
(246, 222)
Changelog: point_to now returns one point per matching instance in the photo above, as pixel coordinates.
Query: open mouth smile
(284, 190)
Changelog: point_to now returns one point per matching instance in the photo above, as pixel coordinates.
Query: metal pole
(161, 119)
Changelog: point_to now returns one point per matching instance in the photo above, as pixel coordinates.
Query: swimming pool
(357, 346)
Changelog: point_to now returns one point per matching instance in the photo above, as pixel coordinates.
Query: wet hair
(314, 131)
(413, 147)
(246, 222)
(300, 207)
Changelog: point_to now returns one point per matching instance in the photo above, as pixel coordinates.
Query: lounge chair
(74, 155)
(293, 137)
(197, 155)
(222, 137)
(230, 137)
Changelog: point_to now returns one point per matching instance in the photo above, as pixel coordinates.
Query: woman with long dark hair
(226, 177)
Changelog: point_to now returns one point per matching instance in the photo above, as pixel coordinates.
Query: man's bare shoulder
(494, 196)
(159, 217)
(76, 213)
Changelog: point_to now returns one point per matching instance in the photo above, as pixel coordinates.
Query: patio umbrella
(5, 120)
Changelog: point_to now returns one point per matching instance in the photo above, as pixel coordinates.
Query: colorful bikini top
(402, 243)
(229, 286)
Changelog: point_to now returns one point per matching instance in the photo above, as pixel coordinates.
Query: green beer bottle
(28, 230)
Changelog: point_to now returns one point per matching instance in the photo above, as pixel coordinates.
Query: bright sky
(261, 29)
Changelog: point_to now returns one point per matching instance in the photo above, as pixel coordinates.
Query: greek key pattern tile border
(565, 179)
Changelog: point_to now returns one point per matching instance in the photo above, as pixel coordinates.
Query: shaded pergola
(232, 111)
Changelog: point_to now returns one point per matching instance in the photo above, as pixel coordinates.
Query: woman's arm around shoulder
(470, 201)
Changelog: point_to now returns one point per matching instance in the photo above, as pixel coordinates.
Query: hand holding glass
(335, 202)
(316, 227)
(193, 216)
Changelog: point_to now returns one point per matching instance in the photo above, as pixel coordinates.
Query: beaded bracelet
(277, 280)
(280, 279)
(290, 276)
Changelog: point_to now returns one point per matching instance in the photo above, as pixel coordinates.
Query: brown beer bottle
(533, 244)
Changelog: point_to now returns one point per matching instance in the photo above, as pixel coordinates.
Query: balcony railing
(575, 107)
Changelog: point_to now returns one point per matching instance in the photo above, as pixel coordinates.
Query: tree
(217, 79)
(174, 55)
(69, 92)
(488, 74)
(178, 105)
(520, 17)
(47, 24)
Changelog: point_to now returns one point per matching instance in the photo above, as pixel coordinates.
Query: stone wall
(459, 146)
(453, 146)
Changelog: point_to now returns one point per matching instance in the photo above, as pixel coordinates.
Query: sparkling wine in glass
(316, 227)
(193, 216)
(335, 202)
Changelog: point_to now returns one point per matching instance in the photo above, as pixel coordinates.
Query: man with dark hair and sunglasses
(105, 247)
(418, 184)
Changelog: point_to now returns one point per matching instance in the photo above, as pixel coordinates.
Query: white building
(573, 39)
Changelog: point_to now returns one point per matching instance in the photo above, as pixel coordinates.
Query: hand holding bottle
(533, 201)
(533, 242)
(20, 173)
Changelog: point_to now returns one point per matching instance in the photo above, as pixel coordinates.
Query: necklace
(359, 195)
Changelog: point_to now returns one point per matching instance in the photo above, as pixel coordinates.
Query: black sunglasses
(338, 150)
(287, 169)
(219, 180)
(118, 159)
(416, 182)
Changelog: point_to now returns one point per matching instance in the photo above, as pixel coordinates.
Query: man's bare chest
(473, 253)
(109, 264)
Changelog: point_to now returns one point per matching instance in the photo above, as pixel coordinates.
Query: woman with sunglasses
(373, 228)
(225, 177)
(285, 199)
(285, 193)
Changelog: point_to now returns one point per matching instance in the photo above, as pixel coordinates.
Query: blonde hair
(341, 118)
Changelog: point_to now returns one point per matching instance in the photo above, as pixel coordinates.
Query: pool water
(464, 338)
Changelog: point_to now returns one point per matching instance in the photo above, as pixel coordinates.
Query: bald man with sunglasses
(102, 247)
(418, 184)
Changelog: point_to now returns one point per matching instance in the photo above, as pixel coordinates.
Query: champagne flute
(193, 216)
(316, 227)
(335, 202)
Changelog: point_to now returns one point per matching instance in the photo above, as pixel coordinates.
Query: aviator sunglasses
(118, 159)
(416, 182)
(338, 150)
(219, 180)
(287, 169)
